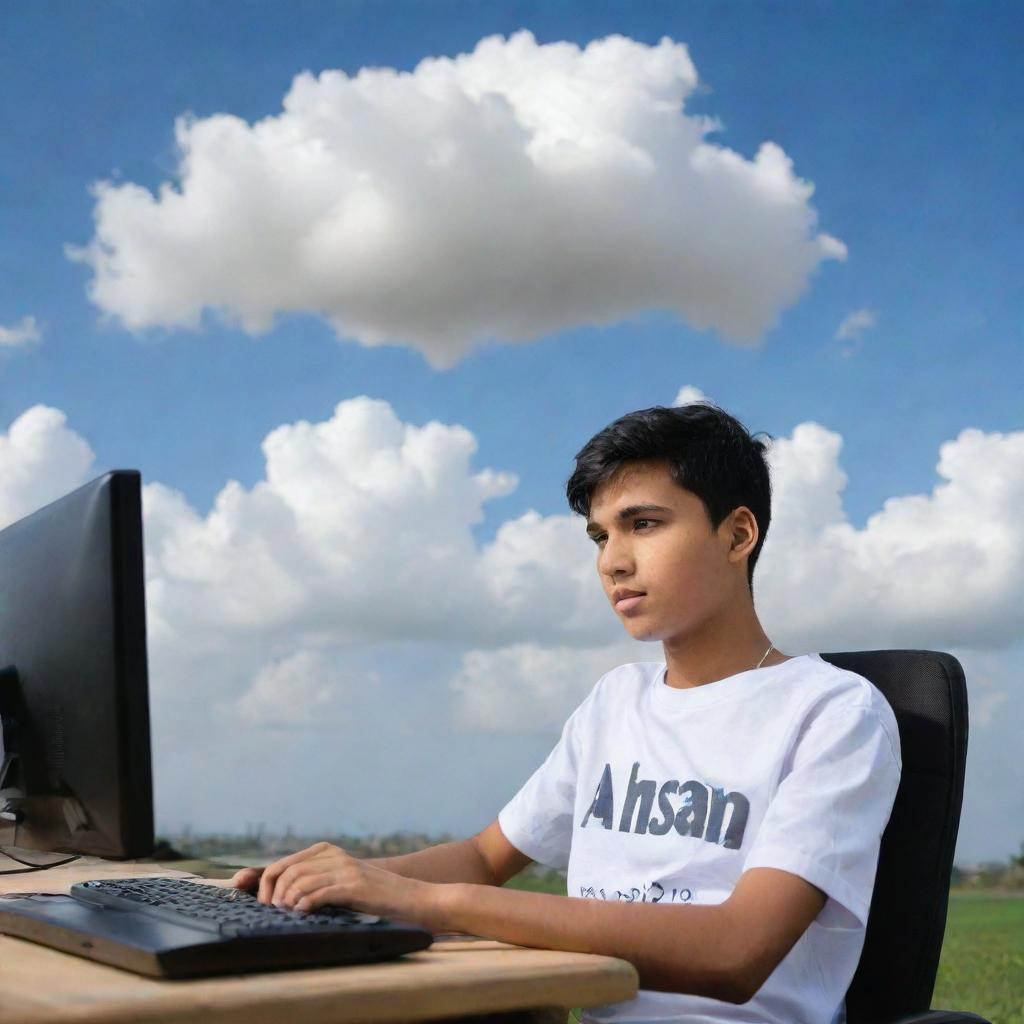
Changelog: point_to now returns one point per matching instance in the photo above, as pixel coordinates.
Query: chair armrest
(938, 1017)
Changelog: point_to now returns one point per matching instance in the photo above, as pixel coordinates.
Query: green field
(982, 964)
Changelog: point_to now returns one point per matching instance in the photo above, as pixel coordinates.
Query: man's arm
(724, 951)
(773, 909)
(487, 858)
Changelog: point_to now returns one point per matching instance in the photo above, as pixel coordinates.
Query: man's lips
(624, 599)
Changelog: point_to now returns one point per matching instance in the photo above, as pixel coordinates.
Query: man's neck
(718, 653)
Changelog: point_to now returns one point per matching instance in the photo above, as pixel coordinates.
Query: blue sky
(905, 118)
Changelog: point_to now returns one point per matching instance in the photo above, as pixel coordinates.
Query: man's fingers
(272, 872)
(304, 888)
(300, 869)
(246, 878)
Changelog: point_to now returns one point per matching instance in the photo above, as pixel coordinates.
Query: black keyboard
(174, 927)
(228, 912)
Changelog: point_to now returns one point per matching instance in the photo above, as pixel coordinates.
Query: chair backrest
(928, 695)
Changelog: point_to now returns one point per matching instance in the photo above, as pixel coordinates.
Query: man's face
(665, 572)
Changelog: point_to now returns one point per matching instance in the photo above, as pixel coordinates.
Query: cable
(31, 867)
(35, 867)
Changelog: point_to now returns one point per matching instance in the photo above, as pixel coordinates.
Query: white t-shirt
(667, 795)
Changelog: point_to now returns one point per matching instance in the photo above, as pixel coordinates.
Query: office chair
(895, 978)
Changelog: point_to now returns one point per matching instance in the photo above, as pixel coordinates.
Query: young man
(719, 812)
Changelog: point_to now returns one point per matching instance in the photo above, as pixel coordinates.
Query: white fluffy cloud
(345, 593)
(854, 325)
(23, 333)
(303, 689)
(504, 193)
(40, 460)
(361, 532)
(852, 329)
(928, 570)
(528, 687)
(688, 394)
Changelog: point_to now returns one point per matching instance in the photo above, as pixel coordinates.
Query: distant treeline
(992, 874)
(257, 842)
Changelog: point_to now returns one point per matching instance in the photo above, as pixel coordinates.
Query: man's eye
(646, 522)
(598, 538)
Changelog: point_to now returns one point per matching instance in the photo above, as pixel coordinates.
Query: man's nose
(615, 559)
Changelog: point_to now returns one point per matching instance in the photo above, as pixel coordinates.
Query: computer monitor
(75, 772)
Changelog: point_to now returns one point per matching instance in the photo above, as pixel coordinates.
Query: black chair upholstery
(895, 978)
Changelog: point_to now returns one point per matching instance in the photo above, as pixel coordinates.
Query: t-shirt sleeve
(538, 820)
(826, 818)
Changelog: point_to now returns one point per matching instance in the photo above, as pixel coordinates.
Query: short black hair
(707, 451)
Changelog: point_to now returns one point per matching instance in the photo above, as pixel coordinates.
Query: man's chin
(642, 631)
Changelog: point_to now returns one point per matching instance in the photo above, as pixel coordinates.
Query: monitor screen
(75, 770)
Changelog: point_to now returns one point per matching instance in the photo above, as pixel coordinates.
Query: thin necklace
(771, 647)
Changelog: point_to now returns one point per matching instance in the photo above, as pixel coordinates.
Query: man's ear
(743, 531)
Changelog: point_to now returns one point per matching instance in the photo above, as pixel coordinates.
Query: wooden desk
(474, 981)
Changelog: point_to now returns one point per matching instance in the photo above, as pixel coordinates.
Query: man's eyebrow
(629, 512)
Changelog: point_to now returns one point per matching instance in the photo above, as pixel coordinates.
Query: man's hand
(324, 874)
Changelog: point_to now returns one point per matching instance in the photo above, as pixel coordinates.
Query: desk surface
(450, 979)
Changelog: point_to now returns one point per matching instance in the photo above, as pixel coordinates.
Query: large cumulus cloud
(360, 534)
(340, 612)
(500, 194)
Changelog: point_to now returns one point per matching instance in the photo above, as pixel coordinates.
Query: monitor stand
(12, 795)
